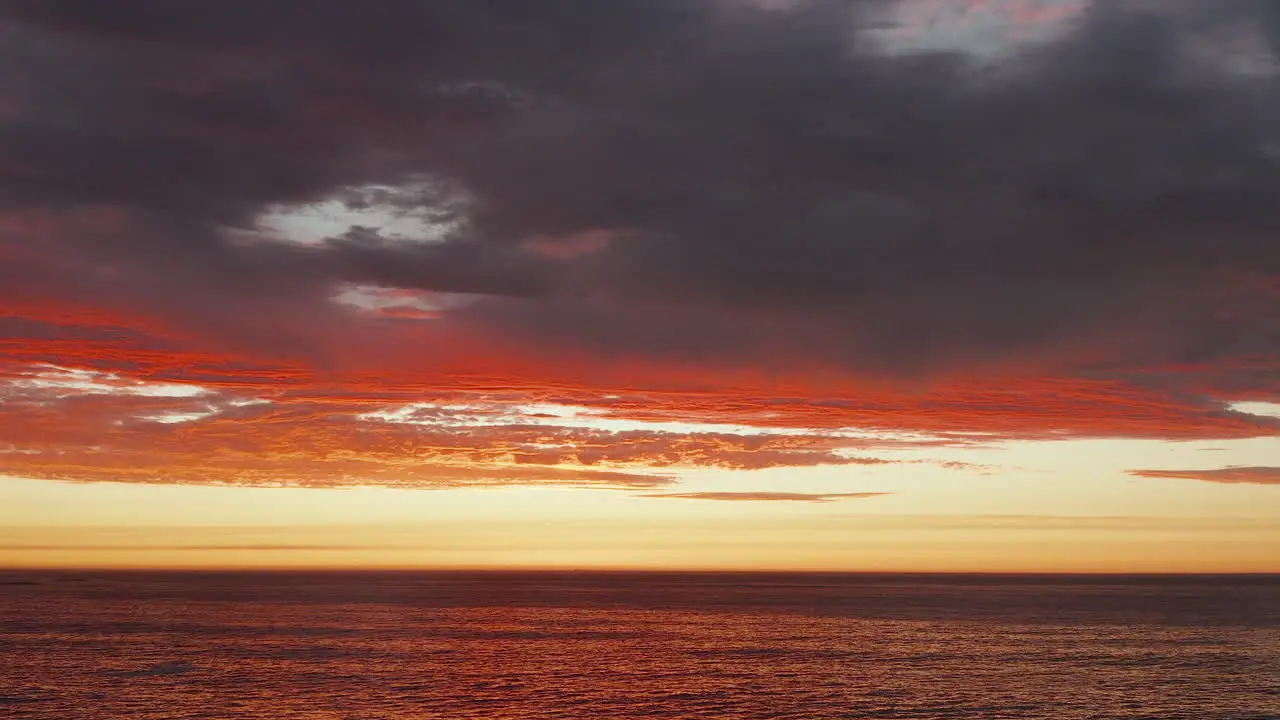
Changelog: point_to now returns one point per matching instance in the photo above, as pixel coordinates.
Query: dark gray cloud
(773, 187)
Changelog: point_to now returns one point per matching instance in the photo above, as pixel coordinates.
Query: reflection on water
(539, 645)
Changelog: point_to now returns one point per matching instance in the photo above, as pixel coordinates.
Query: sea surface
(518, 646)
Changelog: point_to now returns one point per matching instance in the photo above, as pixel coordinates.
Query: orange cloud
(263, 419)
(80, 425)
(443, 427)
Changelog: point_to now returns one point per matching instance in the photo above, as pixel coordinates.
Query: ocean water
(517, 646)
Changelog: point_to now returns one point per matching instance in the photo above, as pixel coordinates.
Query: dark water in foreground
(538, 645)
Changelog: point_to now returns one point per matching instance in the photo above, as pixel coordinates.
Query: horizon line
(492, 570)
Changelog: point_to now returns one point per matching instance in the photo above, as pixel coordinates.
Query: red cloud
(398, 417)
(269, 417)
(93, 426)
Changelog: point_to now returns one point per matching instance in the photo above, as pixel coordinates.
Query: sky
(918, 285)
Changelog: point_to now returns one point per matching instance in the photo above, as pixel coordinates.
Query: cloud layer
(659, 210)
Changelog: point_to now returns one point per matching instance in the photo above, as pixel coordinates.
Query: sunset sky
(943, 285)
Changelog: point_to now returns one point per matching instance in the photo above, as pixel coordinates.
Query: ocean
(520, 646)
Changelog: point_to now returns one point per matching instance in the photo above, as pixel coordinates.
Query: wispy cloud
(766, 496)
(1227, 475)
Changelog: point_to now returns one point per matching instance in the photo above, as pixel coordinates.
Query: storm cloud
(711, 181)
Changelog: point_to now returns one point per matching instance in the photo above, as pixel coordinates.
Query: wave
(168, 667)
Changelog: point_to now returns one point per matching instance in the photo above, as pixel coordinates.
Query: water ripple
(530, 647)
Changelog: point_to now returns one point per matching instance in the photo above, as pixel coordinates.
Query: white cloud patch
(400, 302)
(418, 212)
(574, 417)
(212, 409)
(555, 415)
(1262, 409)
(987, 30)
(60, 382)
